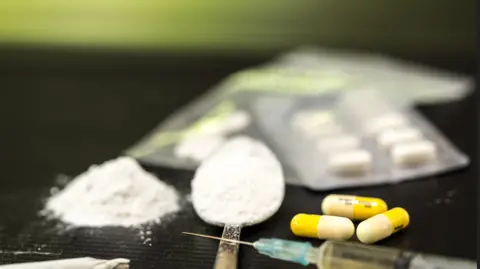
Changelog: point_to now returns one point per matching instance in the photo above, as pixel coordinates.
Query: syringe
(340, 255)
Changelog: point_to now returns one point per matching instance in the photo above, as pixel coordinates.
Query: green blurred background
(429, 27)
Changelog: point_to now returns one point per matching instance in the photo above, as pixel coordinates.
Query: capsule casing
(383, 225)
(353, 207)
(322, 227)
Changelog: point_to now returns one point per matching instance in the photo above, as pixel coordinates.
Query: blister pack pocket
(358, 139)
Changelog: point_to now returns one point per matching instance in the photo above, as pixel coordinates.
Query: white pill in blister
(198, 147)
(317, 116)
(312, 119)
(353, 161)
(325, 131)
(341, 142)
(391, 137)
(234, 122)
(390, 120)
(413, 153)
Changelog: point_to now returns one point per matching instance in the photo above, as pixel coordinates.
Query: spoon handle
(227, 252)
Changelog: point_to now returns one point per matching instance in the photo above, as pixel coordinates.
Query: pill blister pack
(356, 139)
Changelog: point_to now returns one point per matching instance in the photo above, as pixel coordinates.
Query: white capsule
(350, 162)
(353, 207)
(341, 142)
(414, 153)
(390, 120)
(322, 227)
(382, 225)
(391, 137)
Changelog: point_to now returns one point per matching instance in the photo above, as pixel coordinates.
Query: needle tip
(219, 238)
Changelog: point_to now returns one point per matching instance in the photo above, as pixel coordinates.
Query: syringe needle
(299, 252)
(219, 238)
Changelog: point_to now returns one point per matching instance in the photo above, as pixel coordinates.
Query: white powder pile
(240, 184)
(116, 193)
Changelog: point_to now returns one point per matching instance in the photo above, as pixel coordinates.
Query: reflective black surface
(62, 111)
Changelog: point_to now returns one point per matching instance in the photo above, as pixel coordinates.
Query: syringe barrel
(339, 255)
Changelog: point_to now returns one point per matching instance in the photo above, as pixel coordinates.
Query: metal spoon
(243, 154)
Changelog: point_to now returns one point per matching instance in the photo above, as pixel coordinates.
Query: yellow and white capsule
(322, 227)
(353, 207)
(383, 225)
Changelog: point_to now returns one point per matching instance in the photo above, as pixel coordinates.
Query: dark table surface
(61, 111)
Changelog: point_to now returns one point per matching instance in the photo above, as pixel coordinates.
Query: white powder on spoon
(240, 184)
(116, 193)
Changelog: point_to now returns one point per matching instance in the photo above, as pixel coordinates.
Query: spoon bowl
(242, 184)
